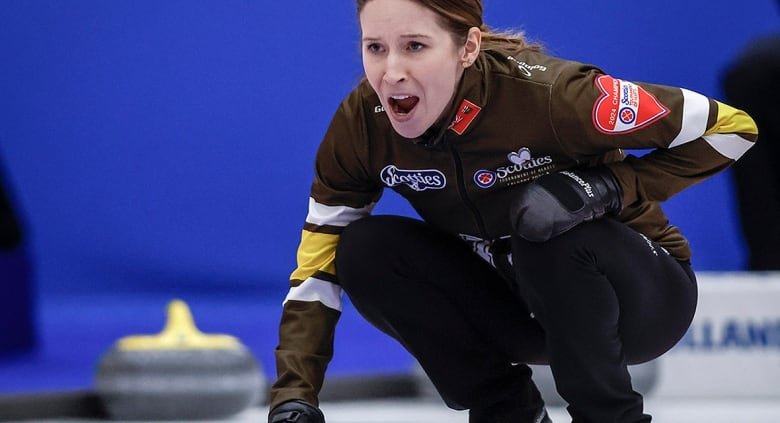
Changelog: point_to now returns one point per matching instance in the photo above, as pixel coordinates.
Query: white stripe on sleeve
(696, 111)
(320, 214)
(316, 290)
(729, 145)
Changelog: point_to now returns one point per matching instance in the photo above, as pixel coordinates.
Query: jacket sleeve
(341, 193)
(690, 136)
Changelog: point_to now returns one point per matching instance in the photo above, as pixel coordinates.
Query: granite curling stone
(178, 374)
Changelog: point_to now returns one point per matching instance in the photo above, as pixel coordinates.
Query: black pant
(588, 302)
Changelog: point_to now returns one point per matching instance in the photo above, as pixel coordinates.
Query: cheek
(442, 84)
(372, 75)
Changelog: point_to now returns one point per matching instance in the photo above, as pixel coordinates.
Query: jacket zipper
(462, 190)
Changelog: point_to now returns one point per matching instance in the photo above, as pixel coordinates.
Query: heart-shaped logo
(523, 155)
(625, 106)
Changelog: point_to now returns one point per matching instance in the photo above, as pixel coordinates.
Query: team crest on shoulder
(624, 106)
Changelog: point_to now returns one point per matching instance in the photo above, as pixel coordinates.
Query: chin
(409, 134)
(407, 131)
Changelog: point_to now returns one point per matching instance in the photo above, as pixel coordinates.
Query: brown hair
(458, 16)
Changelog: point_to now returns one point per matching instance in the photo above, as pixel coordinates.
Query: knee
(355, 237)
(361, 238)
(362, 246)
(354, 249)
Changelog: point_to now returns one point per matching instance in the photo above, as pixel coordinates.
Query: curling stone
(178, 374)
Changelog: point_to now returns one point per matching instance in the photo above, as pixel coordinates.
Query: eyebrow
(402, 36)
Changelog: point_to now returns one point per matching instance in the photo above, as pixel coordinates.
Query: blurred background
(152, 150)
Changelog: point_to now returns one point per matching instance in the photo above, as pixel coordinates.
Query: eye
(415, 46)
(374, 48)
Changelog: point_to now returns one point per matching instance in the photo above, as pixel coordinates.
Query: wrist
(612, 191)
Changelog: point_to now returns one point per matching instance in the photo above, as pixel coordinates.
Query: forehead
(382, 18)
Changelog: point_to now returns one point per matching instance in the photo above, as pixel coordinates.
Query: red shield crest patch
(467, 112)
(624, 106)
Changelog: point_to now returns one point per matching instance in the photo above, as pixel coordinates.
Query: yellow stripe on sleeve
(732, 121)
(316, 252)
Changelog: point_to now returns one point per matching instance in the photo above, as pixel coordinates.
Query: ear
(472, 46)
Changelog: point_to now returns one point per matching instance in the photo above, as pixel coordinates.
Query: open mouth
(403, 104)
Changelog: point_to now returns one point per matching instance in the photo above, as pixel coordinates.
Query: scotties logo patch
(624, 106)
(416, 179)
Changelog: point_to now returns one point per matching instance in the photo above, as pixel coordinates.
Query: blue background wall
(158, 142)
(164, 148)
(167, 146)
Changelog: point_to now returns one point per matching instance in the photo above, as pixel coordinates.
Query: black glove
(554, 203)
(296, 411)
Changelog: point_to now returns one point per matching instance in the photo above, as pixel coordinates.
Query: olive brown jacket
(512, 119)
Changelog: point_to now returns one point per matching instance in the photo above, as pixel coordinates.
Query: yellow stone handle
(180, 333)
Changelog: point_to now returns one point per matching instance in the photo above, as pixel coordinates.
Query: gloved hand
(554, 203)
(296, 411)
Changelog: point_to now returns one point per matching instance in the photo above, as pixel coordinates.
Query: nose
(395, 69)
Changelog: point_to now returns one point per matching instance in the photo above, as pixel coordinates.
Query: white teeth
(399, 97)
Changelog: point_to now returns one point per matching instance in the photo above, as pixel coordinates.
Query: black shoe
(543, 417)
(493, 415)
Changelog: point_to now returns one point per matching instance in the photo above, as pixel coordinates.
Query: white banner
(733, 346)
